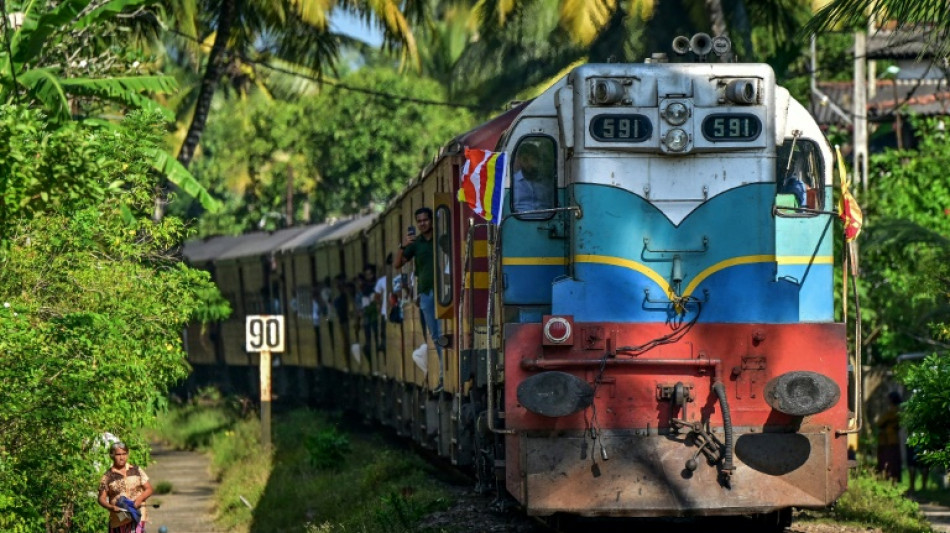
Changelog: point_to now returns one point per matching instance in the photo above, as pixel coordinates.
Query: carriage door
(445, 262)
(533, 241)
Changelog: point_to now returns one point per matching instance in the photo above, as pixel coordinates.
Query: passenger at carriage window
(369, 310)
(533, 176)
(380, 296)
(419, 247)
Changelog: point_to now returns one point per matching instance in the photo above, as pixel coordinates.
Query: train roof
(486, 136)
(209, 248)
(346, 228)
(311, 235)
(260, 243)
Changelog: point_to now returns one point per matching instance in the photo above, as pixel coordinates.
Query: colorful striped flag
(848, 210)
(482, 183)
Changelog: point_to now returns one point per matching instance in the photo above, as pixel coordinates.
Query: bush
(327, 449)
(873, 500)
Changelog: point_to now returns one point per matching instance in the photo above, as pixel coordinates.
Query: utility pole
(860, 150)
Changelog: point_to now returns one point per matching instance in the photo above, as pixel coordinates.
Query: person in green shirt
(419, 247)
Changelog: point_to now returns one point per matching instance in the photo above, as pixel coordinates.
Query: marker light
(676, 140)
(676, 113)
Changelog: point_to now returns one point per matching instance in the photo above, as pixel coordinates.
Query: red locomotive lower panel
(646, 476)
(780, 460)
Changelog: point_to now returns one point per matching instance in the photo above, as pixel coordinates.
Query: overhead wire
(335, 83)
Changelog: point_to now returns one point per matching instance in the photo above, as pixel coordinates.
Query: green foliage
(193, 426)
(905, 272)
(327, 449)
(925, 413)
(337, 152)
(874, 501)
(93, 304)
(30, 67)
(399, 512)
(907, 215)
(37, 70)
(163, 487)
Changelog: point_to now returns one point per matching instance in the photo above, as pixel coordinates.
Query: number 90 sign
(265, 332)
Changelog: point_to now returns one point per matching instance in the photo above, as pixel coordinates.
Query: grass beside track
(318, 477)
(323, 478)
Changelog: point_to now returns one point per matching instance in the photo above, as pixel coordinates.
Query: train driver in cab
(532, 179)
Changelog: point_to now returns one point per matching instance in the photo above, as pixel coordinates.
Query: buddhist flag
(482, 182)
(848, 209)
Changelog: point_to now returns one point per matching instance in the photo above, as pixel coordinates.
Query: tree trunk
(209, 83)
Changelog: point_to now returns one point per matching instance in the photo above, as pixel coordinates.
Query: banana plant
(27, 79)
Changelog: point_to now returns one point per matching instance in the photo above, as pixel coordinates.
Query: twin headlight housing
(676, 135)
(676, 139)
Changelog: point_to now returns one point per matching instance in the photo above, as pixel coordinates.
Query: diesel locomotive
(645, 330)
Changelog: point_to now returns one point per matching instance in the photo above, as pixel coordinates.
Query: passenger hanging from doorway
(419, 248)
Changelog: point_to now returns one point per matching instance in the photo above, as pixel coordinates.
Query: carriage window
(443, 255)
(799, 173)
(534, 177)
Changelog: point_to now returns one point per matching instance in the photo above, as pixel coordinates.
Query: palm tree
(515, 48)
(296, 32)
(855, 14)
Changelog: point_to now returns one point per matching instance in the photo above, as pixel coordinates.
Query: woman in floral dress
(123, 479)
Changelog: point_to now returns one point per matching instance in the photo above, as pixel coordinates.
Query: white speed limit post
(265, 334)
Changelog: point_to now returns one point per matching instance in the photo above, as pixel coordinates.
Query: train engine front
(669, 345)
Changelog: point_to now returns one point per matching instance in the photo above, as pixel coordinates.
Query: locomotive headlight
(676, 140)
(742, 91)
(606, 91)
(801, 393)
(676, 113)
(555, 394)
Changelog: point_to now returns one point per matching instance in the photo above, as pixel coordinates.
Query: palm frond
(44, 85)
(125, 90)
(287, 80)
(298, 43)
(583, 19)
(396, 28)
(176, 173)
(315, 13)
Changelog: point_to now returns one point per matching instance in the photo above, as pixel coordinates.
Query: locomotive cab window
(799, 174)
(443, 255)
(534, 177)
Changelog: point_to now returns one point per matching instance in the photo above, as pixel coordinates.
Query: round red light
(558, 330)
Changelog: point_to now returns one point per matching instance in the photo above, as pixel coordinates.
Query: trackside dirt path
(188, 508)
